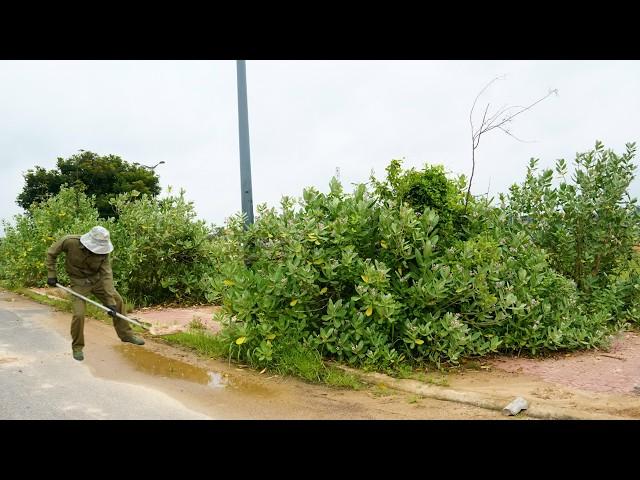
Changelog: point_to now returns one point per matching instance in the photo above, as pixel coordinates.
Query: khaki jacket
(83, 266)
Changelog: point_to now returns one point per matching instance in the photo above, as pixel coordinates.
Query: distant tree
(102, 176)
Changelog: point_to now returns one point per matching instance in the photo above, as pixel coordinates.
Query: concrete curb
(491, 402)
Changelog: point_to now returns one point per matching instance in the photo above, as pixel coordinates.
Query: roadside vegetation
(402, 271)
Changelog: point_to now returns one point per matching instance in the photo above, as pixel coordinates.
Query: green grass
(411, 374)
(201, 342)
(337, 378)
(302, 362)
(442, 381)
(292, 359)
(196, 324)
(413, 399)
(382, 390)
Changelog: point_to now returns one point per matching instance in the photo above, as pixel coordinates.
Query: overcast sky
(306, 118)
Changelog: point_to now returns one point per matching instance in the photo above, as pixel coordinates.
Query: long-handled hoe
(156, 331)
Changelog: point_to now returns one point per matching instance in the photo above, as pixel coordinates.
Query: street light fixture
(148, 167)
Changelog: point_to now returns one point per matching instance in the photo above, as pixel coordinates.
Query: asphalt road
(40, 380)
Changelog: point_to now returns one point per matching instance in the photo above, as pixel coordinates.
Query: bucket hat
(97, 240)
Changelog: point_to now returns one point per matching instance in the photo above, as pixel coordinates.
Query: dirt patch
(614, 371)
(539, 391)
(173, 319)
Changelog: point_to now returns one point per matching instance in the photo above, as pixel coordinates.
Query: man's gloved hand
(113, 311)
(52, 281)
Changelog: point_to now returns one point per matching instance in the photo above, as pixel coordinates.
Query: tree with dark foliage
(102, 176)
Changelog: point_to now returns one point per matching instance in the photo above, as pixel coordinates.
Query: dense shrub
(162, 252)
(26, 240)
(365, 280)
(588, 225)
(620, 297)
(427, 188)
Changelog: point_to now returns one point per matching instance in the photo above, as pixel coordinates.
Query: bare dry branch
(513, 136)
(479, 94)
(496, 120)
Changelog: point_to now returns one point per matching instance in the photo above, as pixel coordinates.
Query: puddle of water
(217, 380)
(158, 365)
(161, 366)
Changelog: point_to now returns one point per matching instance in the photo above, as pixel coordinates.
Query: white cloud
(306, 118)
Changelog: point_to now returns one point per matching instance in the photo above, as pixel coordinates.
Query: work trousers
(85, 287)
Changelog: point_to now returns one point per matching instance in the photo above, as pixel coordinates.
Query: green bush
(590, 225)
(620, 298)
(504, 290)
(427, 188)
(365, 280)
(23, 249)
(162, 253)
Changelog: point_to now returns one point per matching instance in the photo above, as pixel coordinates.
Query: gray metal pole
(245, 154)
